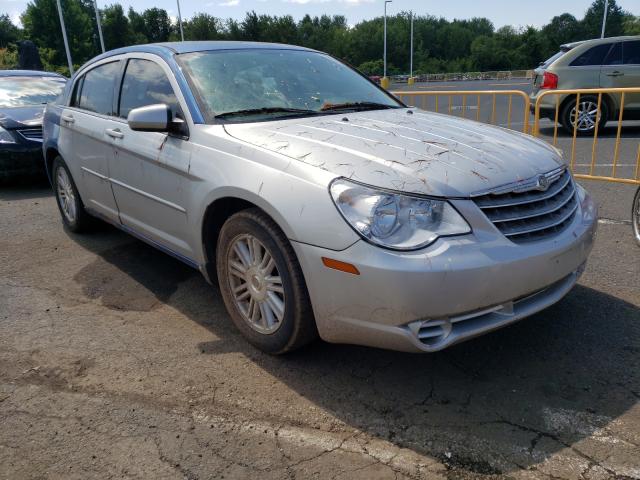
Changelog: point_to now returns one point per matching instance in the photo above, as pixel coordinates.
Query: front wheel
(262, 283)
(635, 216)
(585, 114)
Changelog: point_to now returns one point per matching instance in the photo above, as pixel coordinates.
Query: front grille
(526, 216)
(33, 133)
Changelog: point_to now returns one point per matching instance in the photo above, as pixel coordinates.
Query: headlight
(393, 220)
(6, 137)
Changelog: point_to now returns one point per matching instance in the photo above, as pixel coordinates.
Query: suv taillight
(549, 80)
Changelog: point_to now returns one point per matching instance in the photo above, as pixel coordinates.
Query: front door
(150, 171)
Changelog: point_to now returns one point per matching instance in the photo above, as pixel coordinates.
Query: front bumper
(455, 289)
(19, 159)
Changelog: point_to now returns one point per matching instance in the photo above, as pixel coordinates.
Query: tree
(42, 26)
(9, 33)
(115, 27)
(138, 27)
(203, 26)
(157, 26)
(592, 22)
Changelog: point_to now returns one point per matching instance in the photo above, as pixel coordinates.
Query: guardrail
(613, 97)
(476, 103)
(462, 76)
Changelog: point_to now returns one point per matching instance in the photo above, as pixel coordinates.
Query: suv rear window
(593, 56)
(96, 94)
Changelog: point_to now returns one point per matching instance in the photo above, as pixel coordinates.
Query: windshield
(23, 91)
(244, 85)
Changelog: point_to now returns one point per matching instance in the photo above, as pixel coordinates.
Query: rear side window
(593, 56)
(615, 55)
(96, 94)
(631, 53)
(145, 83)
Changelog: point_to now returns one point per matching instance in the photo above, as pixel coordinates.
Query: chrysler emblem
(542, 183)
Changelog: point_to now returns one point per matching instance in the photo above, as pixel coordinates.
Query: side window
(631, 52)
(615, 55)
(96, 94)
(145, 83)
(593, 56)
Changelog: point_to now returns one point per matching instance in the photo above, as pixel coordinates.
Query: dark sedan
(23, 95)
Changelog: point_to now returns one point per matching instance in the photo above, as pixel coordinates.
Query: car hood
(16, 117)
(423, 152)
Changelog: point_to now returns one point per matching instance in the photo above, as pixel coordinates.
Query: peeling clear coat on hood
(424, 152)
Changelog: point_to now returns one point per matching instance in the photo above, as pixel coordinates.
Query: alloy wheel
(587, 116)
(256, 284)
(66, 195)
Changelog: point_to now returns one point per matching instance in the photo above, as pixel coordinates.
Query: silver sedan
(320, 204)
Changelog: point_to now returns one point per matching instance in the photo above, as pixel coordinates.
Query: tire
(586, 126)
(266, 298)
(74, 215)
(635, 216)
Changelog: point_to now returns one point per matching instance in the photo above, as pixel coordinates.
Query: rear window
(631, 51)
(593, 56)
(96, 94)
(552, 59)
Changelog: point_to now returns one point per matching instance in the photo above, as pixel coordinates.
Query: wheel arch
(50, 155)
(216, 213)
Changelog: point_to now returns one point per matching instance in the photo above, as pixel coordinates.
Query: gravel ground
(117, 361)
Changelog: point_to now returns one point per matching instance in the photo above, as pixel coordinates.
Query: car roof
(29, 73)
(169, 49)
(572, 45)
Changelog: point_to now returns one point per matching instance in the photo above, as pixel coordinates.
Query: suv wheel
(71, 207)
(262, 284)
(586, 115)
(635, 216)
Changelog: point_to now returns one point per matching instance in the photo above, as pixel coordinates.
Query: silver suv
(602, 63)
(319, 203)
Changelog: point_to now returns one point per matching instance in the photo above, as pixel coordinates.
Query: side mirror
(151, 118)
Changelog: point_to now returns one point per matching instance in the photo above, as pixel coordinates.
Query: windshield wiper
(356, 106)
(266, 110)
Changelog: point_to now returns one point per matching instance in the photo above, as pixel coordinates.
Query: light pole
(604, 17)
(180, 21)
(95, 7)
(411, 79)
(64, 37)
(385, 80)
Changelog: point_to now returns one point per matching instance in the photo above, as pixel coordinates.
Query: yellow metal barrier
(406, 95)
(560, 96)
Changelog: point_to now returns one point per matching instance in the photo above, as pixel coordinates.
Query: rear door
(85, 144)
(149, 170)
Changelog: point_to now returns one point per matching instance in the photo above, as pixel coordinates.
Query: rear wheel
(71, 208)
(635, 216)
(262, 284)
(585, 114)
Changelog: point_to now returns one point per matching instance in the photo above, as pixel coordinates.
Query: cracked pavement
(117, 361)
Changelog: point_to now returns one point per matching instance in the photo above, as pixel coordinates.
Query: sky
(500, 12)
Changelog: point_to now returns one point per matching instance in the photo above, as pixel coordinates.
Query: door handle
(68, 118)
(114, 133)
(615, 74)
